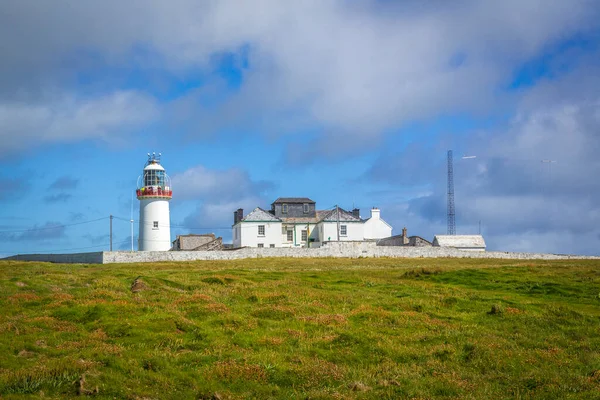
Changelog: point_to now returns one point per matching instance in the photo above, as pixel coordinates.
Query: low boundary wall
(74, 258)
(331, 249)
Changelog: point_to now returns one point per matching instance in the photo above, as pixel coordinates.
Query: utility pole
(111, 218)
(131, 220)
(132, 235)
(451, 216)
(337, 210)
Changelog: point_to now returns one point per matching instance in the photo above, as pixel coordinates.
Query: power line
(54, 226)
(70, 249)
(172, 225)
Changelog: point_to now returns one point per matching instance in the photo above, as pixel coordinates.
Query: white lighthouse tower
(154, 193)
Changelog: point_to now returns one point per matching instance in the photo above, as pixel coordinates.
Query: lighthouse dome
(154, 166)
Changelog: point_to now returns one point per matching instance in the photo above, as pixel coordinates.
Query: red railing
(150, 191)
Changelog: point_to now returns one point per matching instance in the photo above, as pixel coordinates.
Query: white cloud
(204, 184)
(524, 204)
(352, 70)
(69, 119)
(217, 194)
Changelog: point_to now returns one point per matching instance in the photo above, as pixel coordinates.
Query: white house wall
(250, 237)
(354, 231)
(298, 228)
(377, 229)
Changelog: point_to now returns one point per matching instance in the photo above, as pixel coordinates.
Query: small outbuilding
(404, 240)
(461, 242)
(204, 242)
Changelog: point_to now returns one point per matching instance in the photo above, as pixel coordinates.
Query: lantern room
(154, 182)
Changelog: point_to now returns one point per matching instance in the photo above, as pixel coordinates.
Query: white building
(351, 226)
(461, 242)
(375, 227)
(295, 222)
(154, 193)
(257, 229)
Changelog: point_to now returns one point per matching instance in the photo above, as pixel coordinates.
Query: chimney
(238, 215)
(375, 212)
(404, 236)
(356, 212)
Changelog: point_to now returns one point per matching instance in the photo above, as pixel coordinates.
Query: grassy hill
(301, 328)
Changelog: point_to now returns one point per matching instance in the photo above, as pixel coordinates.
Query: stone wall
(331, 249)
(74, 258)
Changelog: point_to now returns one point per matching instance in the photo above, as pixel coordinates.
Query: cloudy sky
(349, 103)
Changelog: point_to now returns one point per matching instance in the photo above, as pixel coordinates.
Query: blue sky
(345, 103)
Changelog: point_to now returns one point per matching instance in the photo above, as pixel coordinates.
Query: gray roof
(300, 220)
(409, 237)
(460, 241)
(322, 215)
(293, 200)
(345, 216)
(258, 214)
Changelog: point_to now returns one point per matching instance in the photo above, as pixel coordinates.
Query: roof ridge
(265, 212)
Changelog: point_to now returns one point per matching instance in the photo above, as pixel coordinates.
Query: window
(261, 230)
(155, 225)
(154, 178)
(284, 208)
(304, 235)
(272, 245)
(261, 245)
(343, 230)
(306, 209)
(290, 236)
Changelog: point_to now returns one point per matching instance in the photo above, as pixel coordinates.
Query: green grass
(302, 329)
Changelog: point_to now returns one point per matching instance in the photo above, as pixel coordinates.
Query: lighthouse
(154, 193)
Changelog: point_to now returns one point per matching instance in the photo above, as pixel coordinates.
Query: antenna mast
(451, 216)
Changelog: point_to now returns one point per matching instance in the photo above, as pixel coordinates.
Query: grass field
(302, 329)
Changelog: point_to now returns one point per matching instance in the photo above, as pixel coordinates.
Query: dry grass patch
(23, 297)
(232, 370)
(274, 312)
(271, 341)
(60, 297)
(54, 324)
(325, 319)
(218, 308)
(317, 372)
